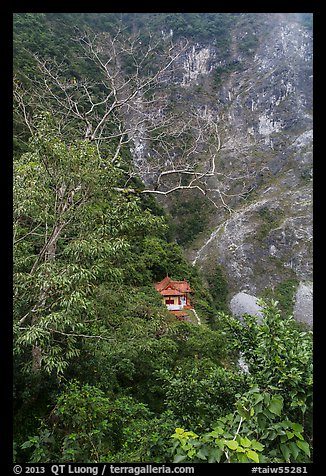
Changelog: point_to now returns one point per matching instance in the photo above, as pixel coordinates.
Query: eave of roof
(170, 292)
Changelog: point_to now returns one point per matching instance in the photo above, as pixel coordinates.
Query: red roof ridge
(163, 284)
(181, 286)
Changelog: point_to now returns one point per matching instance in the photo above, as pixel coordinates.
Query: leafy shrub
(199, 391)
(255, 432)
(87, 426)
(279, 356)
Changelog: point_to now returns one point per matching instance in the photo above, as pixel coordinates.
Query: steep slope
(263, 108)
(249, 78)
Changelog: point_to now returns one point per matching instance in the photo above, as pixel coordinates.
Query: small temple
(176, 295)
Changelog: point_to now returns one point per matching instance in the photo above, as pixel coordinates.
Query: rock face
(243, 303)
(303, 309)
(196, 63)
(267, 127)
(261, 99)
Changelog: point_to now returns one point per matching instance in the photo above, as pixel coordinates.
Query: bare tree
(126, 104)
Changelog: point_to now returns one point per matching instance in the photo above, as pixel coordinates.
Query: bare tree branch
(128, 106)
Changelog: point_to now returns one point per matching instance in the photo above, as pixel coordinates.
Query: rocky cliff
(260, 95)
(240, 90)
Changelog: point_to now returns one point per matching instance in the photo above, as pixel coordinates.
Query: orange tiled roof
(162, 284)
(167, 282)
(171, 292)
(182, 286)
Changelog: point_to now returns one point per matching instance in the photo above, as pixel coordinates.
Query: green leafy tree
(198, 391)
(267, 425)
(218, 287)
(279, 356)
(257, 431)
(72, 232)
(86, 425)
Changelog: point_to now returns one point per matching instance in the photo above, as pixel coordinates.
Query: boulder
(303, 307)
(243, 303)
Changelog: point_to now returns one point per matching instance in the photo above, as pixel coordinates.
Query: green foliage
(284, 294)
(31, 396)
(214, 447)
(221, 72)
(103, 373)
(269, 219)
(189, 218)
(249, 43)
(279, 356)
(157, 442)
(158, 258)
(87, 307)
(73, 232)
(218, 287)
(199, 25)
(199, 389)
(254, 432)
(87, 426)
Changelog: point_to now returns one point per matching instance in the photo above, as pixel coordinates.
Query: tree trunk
(36, 358)
(49, 255)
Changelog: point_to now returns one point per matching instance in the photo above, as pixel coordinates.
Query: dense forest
(103, 372)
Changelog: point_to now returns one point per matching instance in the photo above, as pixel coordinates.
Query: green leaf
(202, 453)
(217, 432)
(294, 449)
(276, 404)
(179, 431)
(262, 421)
(303, 445)
(253, 455)
(233, 445)
(257, 446)
(242, 458)
(242, 411)
(240, 449)
(179, 458)
(214, 455)
(297, 427)
(245, 442)
(191, 452)
(298, 435)
(267, 398)
(27, 444)
(285, 452)
(258, 397)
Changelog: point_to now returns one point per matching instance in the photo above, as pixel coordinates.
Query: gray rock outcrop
(303, 308)
(243, 303)
(261, 101)
(267, 111)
